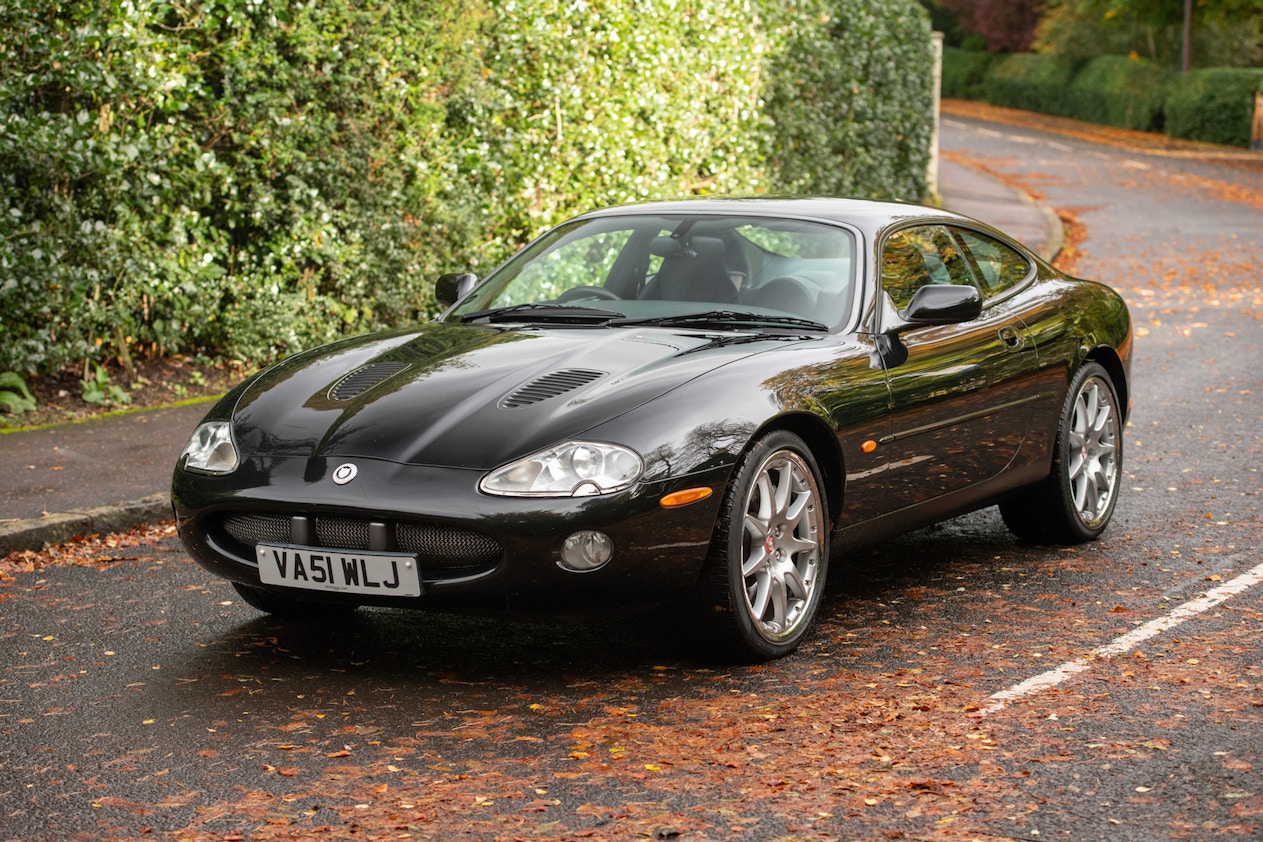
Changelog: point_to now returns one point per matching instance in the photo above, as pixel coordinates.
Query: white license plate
(375, 574)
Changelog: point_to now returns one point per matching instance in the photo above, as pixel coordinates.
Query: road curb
(36, 533)
(1056, 238)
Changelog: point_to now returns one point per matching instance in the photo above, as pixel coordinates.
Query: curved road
(959, 686)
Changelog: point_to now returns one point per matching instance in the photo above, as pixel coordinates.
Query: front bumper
(475, 551)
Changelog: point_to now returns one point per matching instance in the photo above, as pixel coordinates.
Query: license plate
(368, 573)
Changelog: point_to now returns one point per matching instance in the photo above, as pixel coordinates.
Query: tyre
(279, 605)
(1075, 502)
(763, 581)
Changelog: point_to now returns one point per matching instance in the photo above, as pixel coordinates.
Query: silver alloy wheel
(1092, 451)
(782, 546)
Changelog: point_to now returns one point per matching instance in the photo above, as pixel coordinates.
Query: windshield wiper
(721, 318)
(541, 312)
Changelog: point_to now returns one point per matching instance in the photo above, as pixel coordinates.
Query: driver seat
(696, 272)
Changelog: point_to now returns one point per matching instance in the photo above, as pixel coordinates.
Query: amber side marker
(868, 446)
(683, 498)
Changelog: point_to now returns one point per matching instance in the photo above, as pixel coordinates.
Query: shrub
(1119, 91)
(246, 179)
(15, 398)
(965, 73)
(1215, 105)
(1031, 82)
(231, 176)
(850, 98)
(609, 102)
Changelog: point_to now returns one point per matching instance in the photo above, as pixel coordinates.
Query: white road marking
(1127, 642)
(1009, 136)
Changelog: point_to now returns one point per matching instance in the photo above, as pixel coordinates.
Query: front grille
(432, 541)
(255, 529)
(342, 533)
(438, 547)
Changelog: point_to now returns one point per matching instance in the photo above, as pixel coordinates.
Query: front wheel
(1075, 502)
(766, 571)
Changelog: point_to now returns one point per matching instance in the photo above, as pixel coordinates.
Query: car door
(962, 398)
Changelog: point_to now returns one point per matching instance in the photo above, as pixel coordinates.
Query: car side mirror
(454, 286)
(945, 304)
(936, 304)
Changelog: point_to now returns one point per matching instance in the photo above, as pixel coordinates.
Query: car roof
(867, 215)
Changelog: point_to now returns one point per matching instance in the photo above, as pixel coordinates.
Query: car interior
(725, 267)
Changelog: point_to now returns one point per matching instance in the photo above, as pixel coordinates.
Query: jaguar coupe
(695, 405)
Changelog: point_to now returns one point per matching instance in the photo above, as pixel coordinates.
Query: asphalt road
(140, 699)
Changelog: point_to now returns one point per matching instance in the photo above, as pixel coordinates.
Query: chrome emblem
(344, 473)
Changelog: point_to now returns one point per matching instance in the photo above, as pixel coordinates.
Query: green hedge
(1215, 105)
(965, 73)
(229, 176)
(1030, 82)
(849, 96)
(1119, 91)
(593, 104)
(245, 179)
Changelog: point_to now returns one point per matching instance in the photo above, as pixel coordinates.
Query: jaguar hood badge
(344, 473)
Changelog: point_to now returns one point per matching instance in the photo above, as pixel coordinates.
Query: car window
(584, 262)
(998, 266)
(665, 265)
(917, 257)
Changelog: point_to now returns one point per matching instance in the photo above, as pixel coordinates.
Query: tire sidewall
(1081, 529)
(733, 532)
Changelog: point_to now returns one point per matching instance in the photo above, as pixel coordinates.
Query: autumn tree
(1007, 26)
(1225, 33)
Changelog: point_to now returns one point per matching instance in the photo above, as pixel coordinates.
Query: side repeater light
(682, 498)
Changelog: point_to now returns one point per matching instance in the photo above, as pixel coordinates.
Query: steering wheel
(575, 293)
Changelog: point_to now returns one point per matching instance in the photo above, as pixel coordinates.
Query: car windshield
(747, 271)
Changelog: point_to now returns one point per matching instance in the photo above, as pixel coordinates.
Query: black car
(696, 404)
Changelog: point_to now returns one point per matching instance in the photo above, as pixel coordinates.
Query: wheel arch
(823, 444)
(1108, 359)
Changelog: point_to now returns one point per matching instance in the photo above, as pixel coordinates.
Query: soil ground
(158, 382)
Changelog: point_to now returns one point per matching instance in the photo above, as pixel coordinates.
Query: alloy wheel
(782, 546)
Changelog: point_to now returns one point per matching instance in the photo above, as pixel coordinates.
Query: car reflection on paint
(698, 404)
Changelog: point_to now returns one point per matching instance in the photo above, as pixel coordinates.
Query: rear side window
(997, 266)
(917, 257)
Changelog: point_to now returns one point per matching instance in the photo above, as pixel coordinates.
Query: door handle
(1011, 337)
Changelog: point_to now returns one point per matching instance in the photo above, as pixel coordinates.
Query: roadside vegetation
(1122, 63)
(227, 182)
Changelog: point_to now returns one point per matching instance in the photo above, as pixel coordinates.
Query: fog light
(586, 550)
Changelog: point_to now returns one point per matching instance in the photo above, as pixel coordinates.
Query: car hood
(467, 396)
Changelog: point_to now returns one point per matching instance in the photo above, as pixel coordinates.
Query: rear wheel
(1075, 502)
(768, 560)
(279, 605)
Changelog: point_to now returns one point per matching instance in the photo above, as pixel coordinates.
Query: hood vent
(550, 386)
(364, 378)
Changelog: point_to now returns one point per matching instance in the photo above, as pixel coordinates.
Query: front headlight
(211, 449)
(573, 469)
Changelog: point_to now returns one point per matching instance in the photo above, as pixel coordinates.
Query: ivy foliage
(242, 179)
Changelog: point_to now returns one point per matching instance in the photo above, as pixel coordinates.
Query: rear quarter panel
(1071, 322)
